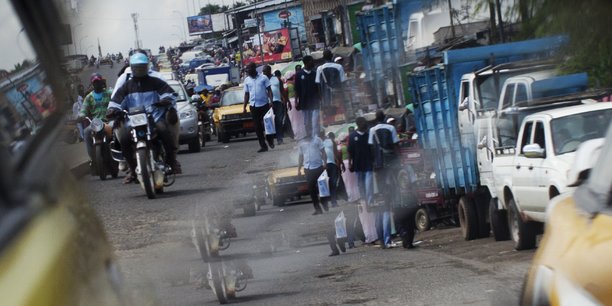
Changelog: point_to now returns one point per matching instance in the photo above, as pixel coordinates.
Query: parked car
(191, 131)
(571, 267)
(229, 118)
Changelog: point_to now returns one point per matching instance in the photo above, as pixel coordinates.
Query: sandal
(130, 179)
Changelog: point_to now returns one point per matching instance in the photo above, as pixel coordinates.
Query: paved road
(286, 247)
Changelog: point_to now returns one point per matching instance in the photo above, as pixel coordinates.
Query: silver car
(190, 132)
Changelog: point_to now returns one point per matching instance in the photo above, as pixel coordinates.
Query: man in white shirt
(278, 101)
(312, 157)
(329, 76)
(259, 96)
(383, 137)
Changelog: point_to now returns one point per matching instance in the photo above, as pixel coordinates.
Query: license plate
(248, 125)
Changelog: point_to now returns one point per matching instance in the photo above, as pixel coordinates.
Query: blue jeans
(312, 123)
(365, 181)
(383, 225)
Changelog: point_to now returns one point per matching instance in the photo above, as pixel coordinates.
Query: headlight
(187, 114)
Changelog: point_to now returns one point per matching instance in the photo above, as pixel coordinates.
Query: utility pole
(450, 12)
(135, 18)
(502, 35)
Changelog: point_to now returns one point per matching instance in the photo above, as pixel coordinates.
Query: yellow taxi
(53, 248)
(283, 183)
(229, 118)
(572, 265)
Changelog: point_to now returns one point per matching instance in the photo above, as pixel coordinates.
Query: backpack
(384, 153)
(331, 77)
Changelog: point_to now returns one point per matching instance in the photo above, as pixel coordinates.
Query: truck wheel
(195, 145)
(481, 205)
(468, 218)
(421, 219)
(523, 233)
(499, 221)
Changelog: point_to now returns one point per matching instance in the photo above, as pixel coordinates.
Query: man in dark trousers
(308, 98)
(312, 157)
(259, 96)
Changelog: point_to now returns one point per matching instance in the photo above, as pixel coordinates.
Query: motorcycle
(227, 278)
(152, 171)
(102, 161)
(209, 237)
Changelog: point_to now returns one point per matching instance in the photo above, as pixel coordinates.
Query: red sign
(284, 14)
(276, 47)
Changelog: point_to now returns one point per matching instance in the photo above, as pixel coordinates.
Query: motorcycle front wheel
(146, 173)
(217, 280)
(99, 160)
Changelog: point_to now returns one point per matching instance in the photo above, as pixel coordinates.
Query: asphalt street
(286, 246)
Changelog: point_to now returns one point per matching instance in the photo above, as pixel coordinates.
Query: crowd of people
(366, 165)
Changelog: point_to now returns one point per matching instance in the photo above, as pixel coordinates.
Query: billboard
(275, 47)
(199, 24)
(292, 17)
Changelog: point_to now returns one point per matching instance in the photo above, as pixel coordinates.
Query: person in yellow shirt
(206, 97)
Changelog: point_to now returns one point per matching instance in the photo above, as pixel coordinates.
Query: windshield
(570, 131)
(232, 97)
(182, 96)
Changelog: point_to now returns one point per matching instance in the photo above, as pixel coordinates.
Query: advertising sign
(199, 24)
(292, 17)
(275, 47)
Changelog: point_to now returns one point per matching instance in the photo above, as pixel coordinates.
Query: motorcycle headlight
(97, 125)
(138, 119)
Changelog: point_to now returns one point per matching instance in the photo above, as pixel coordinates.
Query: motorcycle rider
(156, 96)
(94, 106)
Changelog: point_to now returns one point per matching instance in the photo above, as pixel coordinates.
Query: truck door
(538, 172)
(521, 175)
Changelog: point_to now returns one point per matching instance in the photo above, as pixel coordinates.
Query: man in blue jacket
(157, 97)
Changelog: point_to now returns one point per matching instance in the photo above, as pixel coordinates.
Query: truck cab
(537, 169)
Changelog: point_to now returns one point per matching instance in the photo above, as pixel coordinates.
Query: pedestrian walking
(334, 166)
(76, 110)
(312, 156)
(308, 97)
(259, 96)
(385, 142)
(330, 77)
(279, 101)
(296, 117)
(360, 160)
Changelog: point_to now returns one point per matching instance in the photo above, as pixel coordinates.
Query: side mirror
(533, 151)
(464, 105)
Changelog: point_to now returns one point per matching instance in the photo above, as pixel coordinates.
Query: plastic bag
(323, 182)
(269, 122)
(340, 223)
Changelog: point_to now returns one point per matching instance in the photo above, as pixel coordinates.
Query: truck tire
(523, 233)
(468, 218)
(482, 210)
(421, 220)
(499, 222)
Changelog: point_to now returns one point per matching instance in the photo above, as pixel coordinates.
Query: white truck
(526, 176)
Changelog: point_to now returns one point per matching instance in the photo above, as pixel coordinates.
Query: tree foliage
(587, 25)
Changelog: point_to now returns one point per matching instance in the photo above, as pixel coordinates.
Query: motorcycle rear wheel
(146, 172)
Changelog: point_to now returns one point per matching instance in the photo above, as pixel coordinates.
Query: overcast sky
(110, 21)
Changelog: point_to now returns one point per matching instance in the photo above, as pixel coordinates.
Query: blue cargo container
(436, 91)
